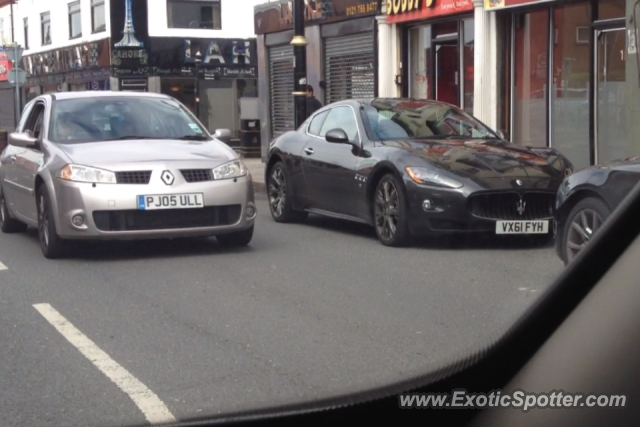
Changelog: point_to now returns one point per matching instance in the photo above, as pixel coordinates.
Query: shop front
(341, 56)
(80, 67)
(217, 79)
(567, 82)
(438, 48)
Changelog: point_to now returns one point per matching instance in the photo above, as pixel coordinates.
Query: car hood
(107, 153)
(491, 163)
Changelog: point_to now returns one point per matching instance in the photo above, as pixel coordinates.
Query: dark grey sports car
(411, 167)
(587, 198)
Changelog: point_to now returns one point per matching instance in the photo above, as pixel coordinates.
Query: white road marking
(3, 267)
(148, 402)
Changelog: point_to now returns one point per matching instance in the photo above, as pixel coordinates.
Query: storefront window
(530, 86)
(468, 30)
(611, 9)
(570, 89)
(420, 63)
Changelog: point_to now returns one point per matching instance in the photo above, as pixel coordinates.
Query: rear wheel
(51, 244)
(390, 212)
(240, 238)
(586, 217)
(280, 196)
(8, 224)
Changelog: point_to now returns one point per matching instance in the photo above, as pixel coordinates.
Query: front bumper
(110, 211)
(449, 213)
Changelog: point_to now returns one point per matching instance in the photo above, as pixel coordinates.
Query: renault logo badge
(167, 177)
(519, 182)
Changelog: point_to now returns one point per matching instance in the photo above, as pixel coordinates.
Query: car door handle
(309, 151)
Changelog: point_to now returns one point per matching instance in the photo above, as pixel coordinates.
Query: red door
(447, 73)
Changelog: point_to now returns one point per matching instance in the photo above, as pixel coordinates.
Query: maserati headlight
(79, 173)
(233, 169)
(426, 176)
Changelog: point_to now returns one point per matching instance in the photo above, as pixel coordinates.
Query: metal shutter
(281, 89)
(349, 67)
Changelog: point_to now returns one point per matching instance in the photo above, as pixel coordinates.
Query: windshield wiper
(120, 138)
(193, 138)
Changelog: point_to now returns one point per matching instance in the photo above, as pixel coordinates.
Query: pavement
(256, 169)
(127, 333)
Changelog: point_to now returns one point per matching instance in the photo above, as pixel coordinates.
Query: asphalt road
(186, 328)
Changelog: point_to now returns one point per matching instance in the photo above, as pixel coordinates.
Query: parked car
(120, 165)
(587, 198)
(412, 167)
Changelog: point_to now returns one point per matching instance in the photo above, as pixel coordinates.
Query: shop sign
(278, 15)
(91, 55)
(399, 11)
(5, 65)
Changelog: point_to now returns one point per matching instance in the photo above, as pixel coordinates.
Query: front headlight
(230, 170)
(79, 173)
(426, 176)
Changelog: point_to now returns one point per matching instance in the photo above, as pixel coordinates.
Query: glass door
(610, 80)
(447, 72)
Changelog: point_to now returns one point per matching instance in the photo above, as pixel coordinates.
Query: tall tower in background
(129, 38)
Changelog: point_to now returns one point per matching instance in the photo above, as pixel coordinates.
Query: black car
(411, 167)
(586, 199)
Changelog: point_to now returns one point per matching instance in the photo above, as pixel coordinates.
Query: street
(185, 328)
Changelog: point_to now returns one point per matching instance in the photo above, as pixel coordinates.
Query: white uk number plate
(171, 201)
(522, 227)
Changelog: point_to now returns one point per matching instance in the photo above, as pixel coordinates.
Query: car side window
(36, 120)
(316, 123)
(24, 116)
(341, 118)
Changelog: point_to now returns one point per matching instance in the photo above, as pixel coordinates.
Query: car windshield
(421, 119)
(81, 120)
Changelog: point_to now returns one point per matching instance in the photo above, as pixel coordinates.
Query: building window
(45, 27)
(98, 23)
(531, 43)
(26, 33)
(75, 20)
(2, 31)
(194, 14)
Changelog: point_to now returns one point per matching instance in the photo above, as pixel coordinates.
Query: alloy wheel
(43, 223)
(277, 191)
(581, 231)
(387, 210)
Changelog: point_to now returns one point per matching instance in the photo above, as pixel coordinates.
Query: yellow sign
(395, 7)
(362, 8)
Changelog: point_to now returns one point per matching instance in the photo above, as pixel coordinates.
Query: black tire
(8, 224)
(280, 195)
(390, 208)
(592, 210)
(240, 238)
(51, 244)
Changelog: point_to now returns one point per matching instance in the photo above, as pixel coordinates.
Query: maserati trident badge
(520, 206)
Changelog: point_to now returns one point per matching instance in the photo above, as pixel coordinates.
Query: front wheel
(237, 239)
(586, 217)
(390, 212)
(280, 195)
(51, 244)
(8, 224)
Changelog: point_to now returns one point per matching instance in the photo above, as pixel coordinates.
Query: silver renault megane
(121, 165)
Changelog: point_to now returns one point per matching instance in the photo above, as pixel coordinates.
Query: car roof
(389, 101)
(101, 94)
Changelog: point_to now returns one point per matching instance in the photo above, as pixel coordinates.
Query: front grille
(133, 177)
(504, 205)
(166, 219)
(197, 175)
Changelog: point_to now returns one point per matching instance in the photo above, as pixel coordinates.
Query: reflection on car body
(118, 165)
(410, 168)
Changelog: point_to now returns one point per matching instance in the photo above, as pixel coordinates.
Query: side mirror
(222, 134)
(24, 140)
(337, 136)
(501, 134)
